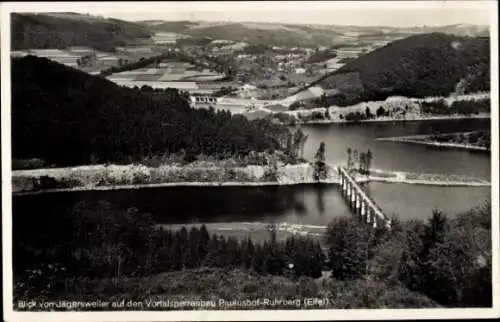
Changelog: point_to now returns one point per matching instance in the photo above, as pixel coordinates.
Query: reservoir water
(307, 209)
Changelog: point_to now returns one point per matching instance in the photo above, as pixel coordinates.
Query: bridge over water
(360, 203)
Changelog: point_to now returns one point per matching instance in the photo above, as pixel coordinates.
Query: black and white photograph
(250, 160)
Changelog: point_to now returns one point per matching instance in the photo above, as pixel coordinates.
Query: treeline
(439, 107)
(466, 107)
(69, 249)
(257, 49)
(171, 26)
(194, 41)
(477, 138)
(141, 63)
(359, 161)
(321, 56)
(212, 63)
(62, 30)
(275, 37)
(447, 260)
(66, 117)
(314, 116)
(100, 241)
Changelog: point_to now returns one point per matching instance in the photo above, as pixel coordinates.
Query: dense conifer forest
(66, 117)
(418, 66)
(62, 30)
(71, 250)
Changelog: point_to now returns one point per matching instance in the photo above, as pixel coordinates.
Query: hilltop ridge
(61, 30)
(433, 64)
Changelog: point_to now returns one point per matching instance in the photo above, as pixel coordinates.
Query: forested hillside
(418, 66)
(417, 264)
(169, 26)
(269, 34)
(60, 30)
(67, 117)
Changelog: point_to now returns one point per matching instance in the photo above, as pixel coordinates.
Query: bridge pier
(353, 198)
(360, 203)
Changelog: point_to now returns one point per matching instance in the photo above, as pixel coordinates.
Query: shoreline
(414, 140)
(387, 119)
(391, 103)
(396, 180)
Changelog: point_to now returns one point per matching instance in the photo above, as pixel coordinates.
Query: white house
(202, 101)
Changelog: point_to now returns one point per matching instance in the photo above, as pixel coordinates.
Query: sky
(364, 13)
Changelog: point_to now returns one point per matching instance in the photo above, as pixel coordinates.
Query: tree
(319, 157)
(233, 252)
(362, 163)
(323, 100)
(247, 252)
(355, 116)
(273, 232)
(290, 147)
(380, 111)
(368, 113)
(385, 263)
(369, 157)
(436, 228)
(300, 140)
(319, 164)
(351, 245)
(349, 158)
(355, 159)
